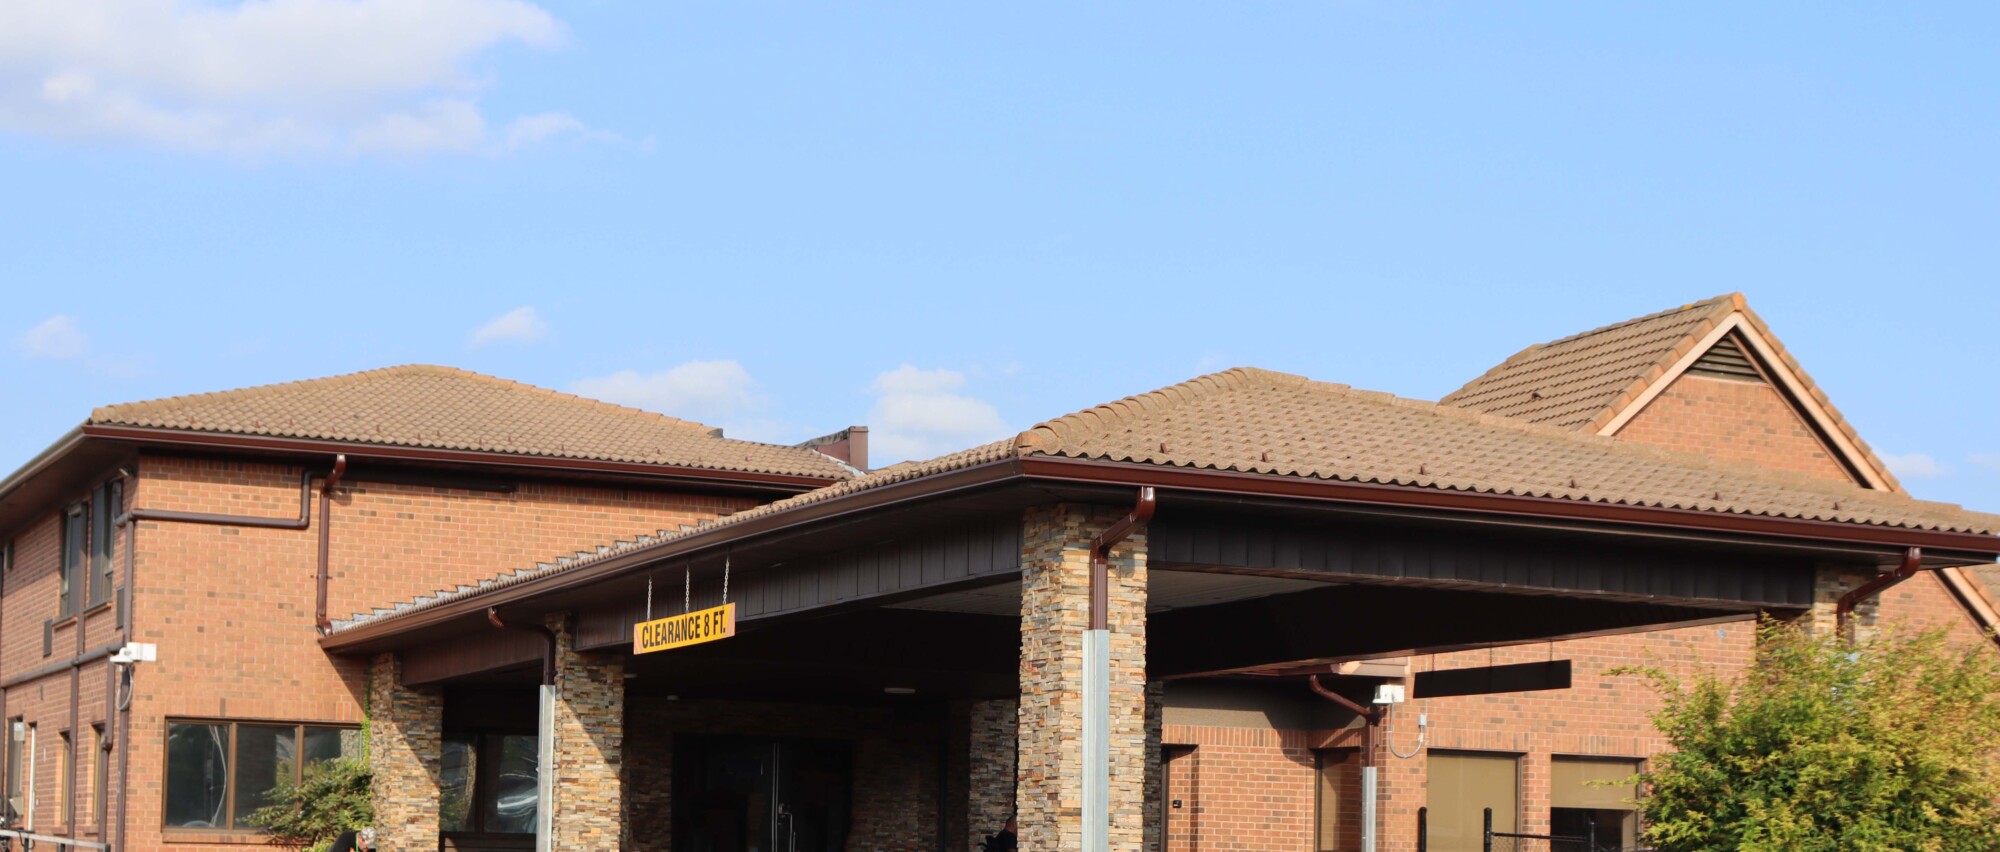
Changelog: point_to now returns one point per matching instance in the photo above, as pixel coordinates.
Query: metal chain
(687, 590)
(725, 576)
(649, 597)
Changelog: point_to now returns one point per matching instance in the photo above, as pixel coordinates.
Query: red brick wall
(232, 608)
(32, 597)
(1733, 420)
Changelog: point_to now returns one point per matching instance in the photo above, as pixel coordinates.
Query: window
(17, 752)
(1337, 804)
(75, 538)
(488, 784)
(100, 775)
(65, 770)
(219, 772)
(104, 507)
(1462, 786)
(1587, 798)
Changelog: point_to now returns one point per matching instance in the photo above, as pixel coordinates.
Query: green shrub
(1887, 744)
(332, 798)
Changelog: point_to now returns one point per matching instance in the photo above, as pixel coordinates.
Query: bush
(1888, 744)
(333, 798)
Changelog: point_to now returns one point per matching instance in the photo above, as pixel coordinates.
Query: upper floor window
(75, 544)
(105, 505)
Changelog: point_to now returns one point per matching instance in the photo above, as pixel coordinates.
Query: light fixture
(899, 690)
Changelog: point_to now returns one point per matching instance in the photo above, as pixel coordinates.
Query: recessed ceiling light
(899, 690)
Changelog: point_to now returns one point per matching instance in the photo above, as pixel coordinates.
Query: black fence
(1508, 841)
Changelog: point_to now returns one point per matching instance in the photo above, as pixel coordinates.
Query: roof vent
(1727, 359)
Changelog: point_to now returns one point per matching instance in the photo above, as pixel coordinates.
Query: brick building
(1139, 625)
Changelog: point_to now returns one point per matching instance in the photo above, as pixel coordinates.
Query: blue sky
(949, 222)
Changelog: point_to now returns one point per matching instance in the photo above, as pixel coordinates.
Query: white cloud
(1990, 461)
(919, 414)
(265, 76)
(711, 392)
(521, 324)
(1914, 466)
(56, 337)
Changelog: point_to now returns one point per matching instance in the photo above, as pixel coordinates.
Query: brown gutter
(217, 440)
(1100, 556)
(1973, 546)
(1983, 547)
(325, 534)
(548, 656)
(1371, 715)
(711, 538)
(1843, 611)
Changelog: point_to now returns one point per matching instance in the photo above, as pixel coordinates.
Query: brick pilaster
(587, 810)
(406, 748)
(1055, 607)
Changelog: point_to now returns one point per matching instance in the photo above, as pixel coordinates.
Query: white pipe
(1368, 797)
(545, 770)
(1096, 741)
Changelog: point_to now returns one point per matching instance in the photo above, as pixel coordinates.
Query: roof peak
(1734, 301)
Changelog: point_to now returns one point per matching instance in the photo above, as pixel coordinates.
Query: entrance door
(753, 794)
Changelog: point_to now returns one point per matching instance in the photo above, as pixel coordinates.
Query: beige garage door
(1462, 785)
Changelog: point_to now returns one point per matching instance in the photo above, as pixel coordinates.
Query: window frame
(74, 556)
(230, 772)
(484, 779)
(66, 777)
(15, 770)
(100, 581)
(99, 776)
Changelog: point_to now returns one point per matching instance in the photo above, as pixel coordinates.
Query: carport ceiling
(1166, 590)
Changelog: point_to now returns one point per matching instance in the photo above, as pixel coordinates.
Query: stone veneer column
(1829, 583)
(587, 808)
(991, 748)
(406, 733)
(1055, 611)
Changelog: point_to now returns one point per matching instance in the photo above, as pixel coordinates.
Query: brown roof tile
(1586, 380)
(1276, 424)
(1256, 421)
(1582, 381)
(447, 408)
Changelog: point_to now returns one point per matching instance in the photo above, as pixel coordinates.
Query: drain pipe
(545, 732)
(1372, 717)
(1097, 677)
(1843, 612)
(325, 540)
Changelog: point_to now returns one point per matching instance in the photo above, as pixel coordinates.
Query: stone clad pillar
(405, 751)
(1055, 611)
(1829, 583)
(990, 767)
(587, 804)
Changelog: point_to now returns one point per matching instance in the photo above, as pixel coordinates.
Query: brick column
(586, 812)
(1055, 609)
(990, 751)
(406, 733)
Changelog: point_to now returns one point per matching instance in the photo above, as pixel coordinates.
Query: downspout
(320, 618)
(1371, 716)
(125, 618)
(130, 521)
(1097, 677)
(545, 732)
(1843, 611)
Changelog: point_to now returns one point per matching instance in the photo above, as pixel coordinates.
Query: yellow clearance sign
(680, 631)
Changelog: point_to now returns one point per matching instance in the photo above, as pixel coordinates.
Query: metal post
(545, 770)
(1368, 808)
(1423, 829)
(1096, 740)
(1487, 843)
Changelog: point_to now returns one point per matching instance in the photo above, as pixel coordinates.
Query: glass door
(753, 794)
